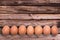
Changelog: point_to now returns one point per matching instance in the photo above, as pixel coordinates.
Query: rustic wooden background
(30, 12)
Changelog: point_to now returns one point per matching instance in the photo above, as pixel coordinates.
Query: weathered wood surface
(34, 1)
(10, 14)
(18, 37)
(27, 3)
(28, 22)
(29, 9)
(29, 16)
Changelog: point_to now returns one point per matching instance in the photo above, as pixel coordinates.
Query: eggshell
(46, 30)
(30, 30)
(38, 30)
(22, 30)
(54, 30)
(5, 30)
(14, 30)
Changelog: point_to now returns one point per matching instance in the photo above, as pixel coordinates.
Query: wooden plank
(27, 3)
(29, 9)
(35, 1)
(18, 37)
(29, 16)
(28, 22)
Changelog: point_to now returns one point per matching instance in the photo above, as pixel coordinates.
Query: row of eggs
(30, 30)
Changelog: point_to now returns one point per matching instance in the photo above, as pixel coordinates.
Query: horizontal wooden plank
(18, 37)
(29, 9)
(28, 22)
(32, 1)
(27, 3)
(29, 16)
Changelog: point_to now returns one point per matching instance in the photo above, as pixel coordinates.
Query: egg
(5, 30)
(14, 30)
(38, 30)
(22, 30)
(46, 30)
(30, 30)
(54, 30)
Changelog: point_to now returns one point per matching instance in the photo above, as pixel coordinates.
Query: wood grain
(28, 22)
(30, 1)
(29, 16)
(13, 14)
(18, 37)
(29, 9)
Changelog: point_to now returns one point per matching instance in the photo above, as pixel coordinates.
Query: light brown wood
(36, 1)
(28, 22)
(29, 9)
(29, 16)
(18, 37)
(17, 15)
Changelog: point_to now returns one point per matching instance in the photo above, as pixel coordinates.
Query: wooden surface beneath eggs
(36, 12)
(18, 37)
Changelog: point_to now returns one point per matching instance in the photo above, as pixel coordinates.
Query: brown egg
(6, 30)
(14, 30)
(46, 30)
(54, 30)
(30, 30)
(38, 30)
(22, 30)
